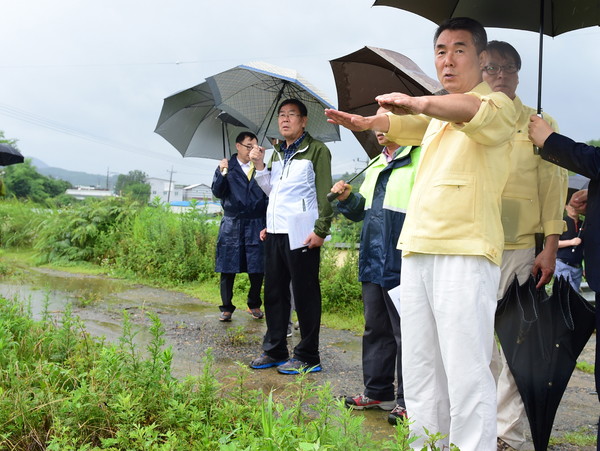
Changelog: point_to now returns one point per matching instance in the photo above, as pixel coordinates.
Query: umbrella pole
(541, 53)
(224, 170)
(536, 149)
(275, 103)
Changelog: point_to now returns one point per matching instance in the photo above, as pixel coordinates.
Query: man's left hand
(401, 104)
(314, 240)
(544, 262)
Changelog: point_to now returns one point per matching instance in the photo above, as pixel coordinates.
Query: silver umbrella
(191, 123)
(251, 93)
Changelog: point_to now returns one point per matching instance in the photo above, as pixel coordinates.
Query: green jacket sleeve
(322, 167)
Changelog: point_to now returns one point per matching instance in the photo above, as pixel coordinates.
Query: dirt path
(192, 326)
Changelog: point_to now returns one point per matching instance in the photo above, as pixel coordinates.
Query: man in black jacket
(585, 160)
(239, 248)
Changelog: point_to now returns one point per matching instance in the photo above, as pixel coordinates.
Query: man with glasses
(532, 202)
(451, 239)
(239, 248)
(297, 180)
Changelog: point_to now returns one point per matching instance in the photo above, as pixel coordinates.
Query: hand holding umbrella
(257, 156)
(336, 190)
(224, 167)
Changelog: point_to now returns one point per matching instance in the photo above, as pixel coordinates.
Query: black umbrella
(548, 17)
(541, 337)
(9, 155)
(362, 75)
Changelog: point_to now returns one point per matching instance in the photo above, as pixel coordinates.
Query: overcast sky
(82, 82)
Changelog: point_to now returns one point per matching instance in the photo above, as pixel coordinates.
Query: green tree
(25, 182)
(137, 191)
(594, 142)
(133, 185)
(10, 142)
(130, 178)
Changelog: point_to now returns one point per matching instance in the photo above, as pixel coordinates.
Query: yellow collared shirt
(454, 208)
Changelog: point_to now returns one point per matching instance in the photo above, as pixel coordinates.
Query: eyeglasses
(247, 146)
(495, 69)
(290, 115)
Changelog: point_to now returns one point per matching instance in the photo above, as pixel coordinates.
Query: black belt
(572, 265)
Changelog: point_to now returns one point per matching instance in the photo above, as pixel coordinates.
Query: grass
(586, 367)
(585, 436)
(64, 390)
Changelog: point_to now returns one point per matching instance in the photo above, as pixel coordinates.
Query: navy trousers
(381, 345)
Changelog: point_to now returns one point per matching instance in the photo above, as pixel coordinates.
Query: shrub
(19, 223)
(169, 247)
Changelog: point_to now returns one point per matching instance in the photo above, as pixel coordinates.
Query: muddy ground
(192, 326)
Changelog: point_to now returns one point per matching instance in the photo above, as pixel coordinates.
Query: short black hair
(298, 103)
(505, 50)
(243, 135)
(464, 23)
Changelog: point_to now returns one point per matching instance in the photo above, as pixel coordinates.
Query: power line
(41, 121)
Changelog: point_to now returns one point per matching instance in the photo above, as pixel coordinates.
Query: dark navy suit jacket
(584, 160)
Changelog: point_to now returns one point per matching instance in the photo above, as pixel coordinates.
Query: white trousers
(512, 418)
(447, 321)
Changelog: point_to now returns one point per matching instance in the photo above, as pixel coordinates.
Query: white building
(167, 191)
(199, 191)
(85, 192)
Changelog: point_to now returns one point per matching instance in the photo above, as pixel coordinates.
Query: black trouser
(301, 267)
(381, 345)
(227, 280)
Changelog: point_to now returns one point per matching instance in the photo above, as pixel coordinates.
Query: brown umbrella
(362, 75)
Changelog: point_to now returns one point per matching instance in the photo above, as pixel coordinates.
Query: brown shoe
(256, 313)
(225, 316)
(503, 446)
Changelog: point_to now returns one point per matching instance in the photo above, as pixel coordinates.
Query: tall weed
(169, 247)
(87, 231)
(19, 222)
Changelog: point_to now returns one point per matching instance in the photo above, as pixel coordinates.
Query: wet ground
(192, 326)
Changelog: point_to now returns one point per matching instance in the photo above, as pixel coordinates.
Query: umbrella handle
(224, 172)
(536, 149)
(332, 196)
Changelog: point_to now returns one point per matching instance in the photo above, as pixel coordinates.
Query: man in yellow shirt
(532, 202)
(452, 239)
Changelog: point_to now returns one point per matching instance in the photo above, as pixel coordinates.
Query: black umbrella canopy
(559, 16)
(541, 337)
(9, 155)
(362, 75)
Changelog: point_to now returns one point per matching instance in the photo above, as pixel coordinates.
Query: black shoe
(225, 316)
(397, 414)
(265, 361)
(295, 366)
(255, 313)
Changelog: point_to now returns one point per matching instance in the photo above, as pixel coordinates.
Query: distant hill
(75, 178)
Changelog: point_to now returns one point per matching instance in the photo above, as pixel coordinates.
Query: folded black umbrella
(9, 155)
(541, 337)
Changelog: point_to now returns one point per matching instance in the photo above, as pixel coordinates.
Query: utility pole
(170, 180)
(107, 172)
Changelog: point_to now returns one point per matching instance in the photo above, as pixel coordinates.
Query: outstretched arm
(450, 108)
(358, 123)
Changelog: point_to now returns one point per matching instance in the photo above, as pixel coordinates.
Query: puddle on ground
(191, 327)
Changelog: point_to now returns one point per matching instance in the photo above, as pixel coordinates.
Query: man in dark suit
(239, 248)
(585, 160)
